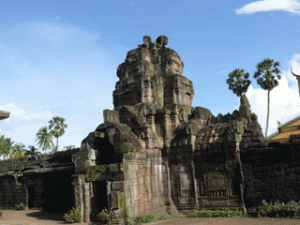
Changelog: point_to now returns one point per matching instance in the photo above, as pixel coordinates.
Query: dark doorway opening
(30, 190)
(58, 192)
(99, 199)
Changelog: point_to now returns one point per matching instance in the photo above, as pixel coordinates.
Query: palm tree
(239, 86)
(5, 146)
(32, 151)
(59, 128)
(44, 139)
(69, 147)
(267, 81)
(18, 151)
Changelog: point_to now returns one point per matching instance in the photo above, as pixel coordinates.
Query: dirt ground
(35, 217)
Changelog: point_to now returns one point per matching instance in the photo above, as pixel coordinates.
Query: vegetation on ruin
(106, 216)
(291, 210)
(73, 216)
(20, 206)
(267, 81)
(129, 222)
(214, 213)
(164, 216)
(146, 218)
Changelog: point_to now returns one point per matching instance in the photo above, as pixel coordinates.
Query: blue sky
(59, 58)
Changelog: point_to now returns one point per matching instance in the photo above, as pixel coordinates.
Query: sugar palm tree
(59, 128)
(18, 151)
(239, 86)
(267, 81)
(44, 139)
(32, 150)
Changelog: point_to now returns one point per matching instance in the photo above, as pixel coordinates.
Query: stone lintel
(4, 114)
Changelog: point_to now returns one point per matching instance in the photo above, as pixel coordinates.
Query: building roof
(4, 114)
(285, 131)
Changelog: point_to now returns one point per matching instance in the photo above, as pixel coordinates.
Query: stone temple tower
(152, 74)
(154, 152)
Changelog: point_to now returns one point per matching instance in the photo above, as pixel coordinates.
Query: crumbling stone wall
(272, 173)
(31, 178)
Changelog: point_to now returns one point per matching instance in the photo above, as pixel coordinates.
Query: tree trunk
(56, 144)
(268, 114)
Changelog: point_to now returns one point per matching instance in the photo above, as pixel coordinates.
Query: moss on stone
(113, 168)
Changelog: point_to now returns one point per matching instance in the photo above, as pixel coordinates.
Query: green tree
(69, 147)
(44, 138)
(6, 146)
(240, 84)
(59, 128)
(18, 151)
(267, 81)
(32, 151)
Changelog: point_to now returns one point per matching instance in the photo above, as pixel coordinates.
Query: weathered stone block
(110, 116)
(117, 186)
(202, 113)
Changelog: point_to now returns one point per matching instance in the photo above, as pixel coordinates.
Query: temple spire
(298, 79)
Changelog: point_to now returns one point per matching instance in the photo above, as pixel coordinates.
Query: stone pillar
(238, 138)
(195, 184)
(167, 131)
(151, 121)
(78, 194)
(86, 201)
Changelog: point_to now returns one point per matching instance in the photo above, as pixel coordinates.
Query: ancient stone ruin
(155, 153)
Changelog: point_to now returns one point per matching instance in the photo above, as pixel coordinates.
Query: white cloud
(292, 6)
(19, 115)
(284, 100)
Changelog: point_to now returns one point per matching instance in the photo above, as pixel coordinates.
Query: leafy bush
(20, 206)
(74, 216)
(106, 216)
(214, 213)
(201, 214)
(0, 213)
(147, 218)
(279, 210)
(129, 222)
(181, 215)
(164, 216)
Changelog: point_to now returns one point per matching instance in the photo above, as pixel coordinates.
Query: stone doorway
(58, 192)
(30, 196)
(99, 199)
